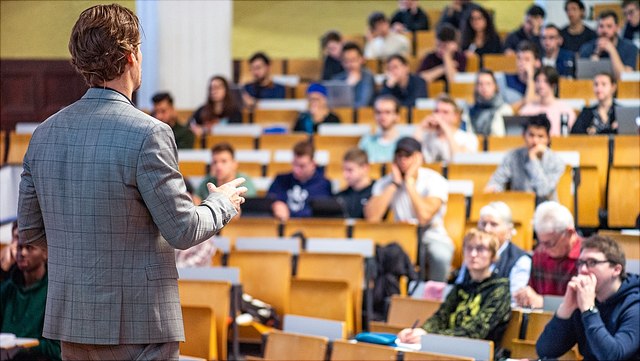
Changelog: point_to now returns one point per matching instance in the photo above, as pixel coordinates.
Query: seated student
(318, 113)
(554, 259)
(455, 13)
(600, 310)
(415, 194)
(622, 53)
(331, 43)
(532, 168)
(357, 75)
(8, 254)
(382, 42)
(477, 308)
(440, 133)
(293, 191)
(446, 60)
(381, 145)
(223, 169)
(519, 88)
(487, 113)
(409, 17)
(552, 53)
(530, 30)
(164, 111)
(400, 83)
(599, 118)
(545, 102)
(220, 108)
(22, 303)
(355, 170)
(576, 33)
(513, 262)
(261, 87)
(479, 34)
(631, 32)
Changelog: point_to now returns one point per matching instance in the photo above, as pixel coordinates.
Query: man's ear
(131, 57)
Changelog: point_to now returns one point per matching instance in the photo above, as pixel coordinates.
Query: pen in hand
(415, 324)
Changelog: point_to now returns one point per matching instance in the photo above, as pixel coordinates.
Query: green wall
(293, 28)
(40, 29)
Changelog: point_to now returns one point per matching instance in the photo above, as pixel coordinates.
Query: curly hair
(100, 41)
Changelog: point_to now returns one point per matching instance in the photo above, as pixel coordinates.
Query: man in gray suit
(101, 189)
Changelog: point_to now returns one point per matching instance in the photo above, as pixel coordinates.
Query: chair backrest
(459, 346)
(383, 233)
(432, 356)
(628, 89)
(336, 145)
(503, 144)
(479, 174)
(316, 227)
(536, 323)
(500, 62)
(425, 41)
(218, 298)
(265, 276)
(323, 299)
(281, 244)
(18, 144)
(281, 141)
(513, 329)
(336, 267)
(345, 350)
(251, 227)
(237, 141)
(575, 88)
(623, 205)
(306, 69)
(331, 329)
(3, 143)
(404, 311)
(200, 333)
(454, 222)
(291, 346)
(594, 159)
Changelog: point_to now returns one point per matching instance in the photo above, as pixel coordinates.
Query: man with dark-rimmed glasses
(554, 259)
(600, 310)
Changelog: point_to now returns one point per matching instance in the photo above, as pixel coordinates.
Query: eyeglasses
(479, 249)
(551, 242)
(590, 262)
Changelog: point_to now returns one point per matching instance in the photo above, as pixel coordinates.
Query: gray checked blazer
(101, 189)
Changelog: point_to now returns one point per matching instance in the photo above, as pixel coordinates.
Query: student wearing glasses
(554, 259)
(600, 310)
(478, 308)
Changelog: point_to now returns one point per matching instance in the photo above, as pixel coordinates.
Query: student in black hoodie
(600, 310)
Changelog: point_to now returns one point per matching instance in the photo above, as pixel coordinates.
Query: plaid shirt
(550, 276)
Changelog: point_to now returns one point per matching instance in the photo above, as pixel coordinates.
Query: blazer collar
(107, 94)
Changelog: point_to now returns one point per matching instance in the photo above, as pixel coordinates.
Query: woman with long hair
(479, 34)
(220, 108)
(599, 118)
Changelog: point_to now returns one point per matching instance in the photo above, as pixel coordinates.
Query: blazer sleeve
(163, 190)
(30, 221)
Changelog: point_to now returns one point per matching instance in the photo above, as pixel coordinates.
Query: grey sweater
(540, 176)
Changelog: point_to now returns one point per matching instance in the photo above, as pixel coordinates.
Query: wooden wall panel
(32, 90)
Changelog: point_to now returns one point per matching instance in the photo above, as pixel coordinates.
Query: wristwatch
(592, 309)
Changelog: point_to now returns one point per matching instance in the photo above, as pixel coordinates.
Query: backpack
(391, 263)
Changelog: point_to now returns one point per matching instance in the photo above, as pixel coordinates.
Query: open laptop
(628, 119)
(339, 93)
(587, 68)
(257, 207)
(514, 124)
(327, 208)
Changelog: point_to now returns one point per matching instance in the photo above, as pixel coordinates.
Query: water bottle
(570, 68)
(564, 124)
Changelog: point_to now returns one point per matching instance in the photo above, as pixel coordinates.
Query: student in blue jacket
(601, 308)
